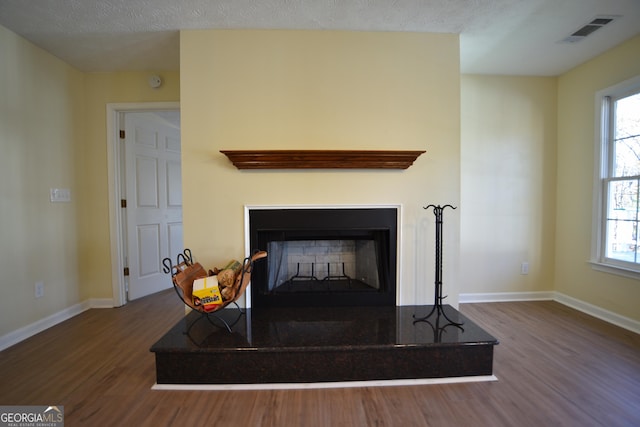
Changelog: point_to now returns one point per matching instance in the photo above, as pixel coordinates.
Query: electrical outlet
(39, 289)
(57, 195)
(524, 268)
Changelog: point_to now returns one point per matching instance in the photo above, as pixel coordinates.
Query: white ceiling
(514, 37)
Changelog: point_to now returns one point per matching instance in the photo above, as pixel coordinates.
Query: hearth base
(323, 344)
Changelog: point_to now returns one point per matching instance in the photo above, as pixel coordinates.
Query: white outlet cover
(60, 195)
(39, 289)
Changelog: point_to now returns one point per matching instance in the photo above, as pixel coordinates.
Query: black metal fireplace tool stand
(437, 303)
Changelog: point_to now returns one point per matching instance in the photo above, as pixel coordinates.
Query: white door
(154, 200)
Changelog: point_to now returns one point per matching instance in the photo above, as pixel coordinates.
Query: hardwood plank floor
(555, 367)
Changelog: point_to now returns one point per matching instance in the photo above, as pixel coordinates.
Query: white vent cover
(590, 27)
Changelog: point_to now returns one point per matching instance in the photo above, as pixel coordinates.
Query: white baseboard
(590, 309)
(101, 303)
(308, 386)
(506, 297)
(598, 312)
(34, 328)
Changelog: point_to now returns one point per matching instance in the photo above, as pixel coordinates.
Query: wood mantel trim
(321, 159)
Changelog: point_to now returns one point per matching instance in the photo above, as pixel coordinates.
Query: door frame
(114, 172)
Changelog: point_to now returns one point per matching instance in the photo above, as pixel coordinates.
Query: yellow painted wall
(53, 134)
(508, 163)
(317, 90)
(93, 225)
(576, 132)
(41, 106)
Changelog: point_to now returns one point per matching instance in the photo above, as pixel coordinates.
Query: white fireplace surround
(397, 207)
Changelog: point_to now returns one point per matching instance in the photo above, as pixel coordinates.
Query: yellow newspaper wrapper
(206, 293)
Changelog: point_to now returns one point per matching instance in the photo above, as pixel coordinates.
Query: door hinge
(126, 271)
(123, 203)
(121, 134)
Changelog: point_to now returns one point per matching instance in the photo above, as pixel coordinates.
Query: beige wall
(53, 134)
(316, 90)
(93, 225)
(508, 163)
(576, 133)
(41, 106)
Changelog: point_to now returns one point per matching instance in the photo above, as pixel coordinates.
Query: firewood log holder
(185, 263)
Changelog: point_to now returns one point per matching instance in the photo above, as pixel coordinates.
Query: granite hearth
(323, 344)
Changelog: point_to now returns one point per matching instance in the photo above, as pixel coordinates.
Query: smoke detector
(589, 28)
(154, 81)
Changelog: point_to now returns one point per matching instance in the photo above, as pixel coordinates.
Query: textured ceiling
(518, 37)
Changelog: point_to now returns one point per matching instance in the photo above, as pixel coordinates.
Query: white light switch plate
(60, 195)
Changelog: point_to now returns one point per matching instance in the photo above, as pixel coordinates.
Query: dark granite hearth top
(322, 328)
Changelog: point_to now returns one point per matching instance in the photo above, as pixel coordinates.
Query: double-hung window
(616, 245)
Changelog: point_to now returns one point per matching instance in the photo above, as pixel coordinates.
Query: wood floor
(555, 367)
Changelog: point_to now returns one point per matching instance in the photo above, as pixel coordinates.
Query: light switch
(60, 195)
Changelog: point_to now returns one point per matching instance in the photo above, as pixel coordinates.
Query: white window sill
(615, 269)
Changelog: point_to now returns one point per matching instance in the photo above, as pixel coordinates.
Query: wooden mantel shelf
(321, 159)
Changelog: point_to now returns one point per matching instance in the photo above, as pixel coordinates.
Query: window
(617, 209)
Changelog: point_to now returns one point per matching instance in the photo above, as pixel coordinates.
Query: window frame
(603, 162)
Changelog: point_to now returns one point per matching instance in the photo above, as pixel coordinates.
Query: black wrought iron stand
(437, 302)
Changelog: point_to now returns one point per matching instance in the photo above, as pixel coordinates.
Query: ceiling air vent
(594, 25)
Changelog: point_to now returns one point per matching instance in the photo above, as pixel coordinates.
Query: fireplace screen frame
(321, 223)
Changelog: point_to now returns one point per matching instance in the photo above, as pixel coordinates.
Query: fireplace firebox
(324, 257)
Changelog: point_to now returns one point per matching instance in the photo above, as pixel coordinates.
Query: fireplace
(324, 256)
(304, 319)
